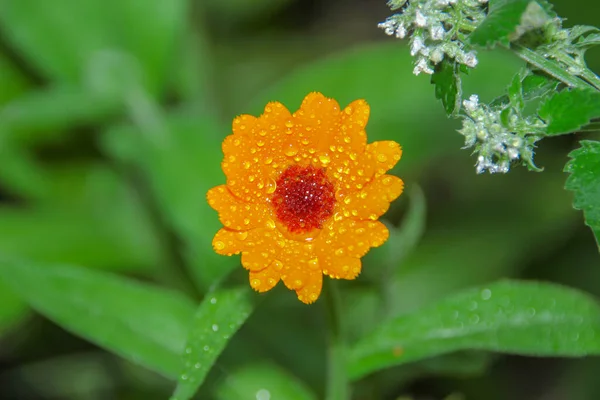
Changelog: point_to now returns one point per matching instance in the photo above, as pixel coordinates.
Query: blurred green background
(111, 118)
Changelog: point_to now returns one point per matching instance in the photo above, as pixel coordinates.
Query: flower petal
(385, 154)
(254, 156)
(234, 213)
(319, 116)
(354, 120)
(374, 200)
(340, 267)
(310, 292)
(349, 237)
(229, 242)
(264, 280)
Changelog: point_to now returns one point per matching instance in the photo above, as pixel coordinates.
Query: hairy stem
(551, 67)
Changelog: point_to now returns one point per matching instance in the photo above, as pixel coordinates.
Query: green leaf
(12, 81)
(511, 317)
(569, 110)
(262, 379)
(446, 79)
(69, 222)
(404, 239)
(536, 86)
(502, 20)
(44, 115)
(142, 323)
(584, 180)
(13, 308)
(217, 319)
(180, 158)
(63, 37)
(515, 93)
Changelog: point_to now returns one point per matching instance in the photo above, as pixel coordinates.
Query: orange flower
(303, 194)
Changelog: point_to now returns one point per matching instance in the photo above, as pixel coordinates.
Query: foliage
(112, 115)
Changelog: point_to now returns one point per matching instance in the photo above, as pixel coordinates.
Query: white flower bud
(420, 19)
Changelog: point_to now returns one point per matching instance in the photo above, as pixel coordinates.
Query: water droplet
(381, 158)
(486, 294)
(206, 348)
(278, 265)
(474, 319)
(531, 311)
(188, 350)
(263, 394)
(213, 300)
(291, 151)
(324, 159)
(184, 377)
(313, 263)
(219, 245)
(215, 327)
(197, 365)
(473, 306)
(242, 235)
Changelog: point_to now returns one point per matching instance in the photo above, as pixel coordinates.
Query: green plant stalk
(586, 74)
(551, 67)
(337, 378)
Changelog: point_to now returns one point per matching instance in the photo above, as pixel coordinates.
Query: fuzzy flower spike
(303, 194)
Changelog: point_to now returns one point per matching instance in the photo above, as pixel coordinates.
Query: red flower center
(304, 198)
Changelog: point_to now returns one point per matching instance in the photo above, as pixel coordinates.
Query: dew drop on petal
(324, 159)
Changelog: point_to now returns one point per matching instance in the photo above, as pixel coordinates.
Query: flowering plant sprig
(443, 36)
(556, 93)
(437, 29)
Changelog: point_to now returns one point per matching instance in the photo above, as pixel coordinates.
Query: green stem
(550, 67)
(337, 379)
(586, 74)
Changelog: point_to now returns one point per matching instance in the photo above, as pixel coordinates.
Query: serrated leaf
(145, 324)
(217, 319)
(584, 180)
(502, 20)
(512, 317)
(536, 85)
(446, 79)
(515, 93)
(249, 382)
(569, 110)
(588, 41)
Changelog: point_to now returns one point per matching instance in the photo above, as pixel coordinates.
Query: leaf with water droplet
(262, 381)
(515, 317)
(142, 323)
(217, 319)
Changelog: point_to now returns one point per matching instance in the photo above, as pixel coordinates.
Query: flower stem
(337, 380)
(551, 67)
